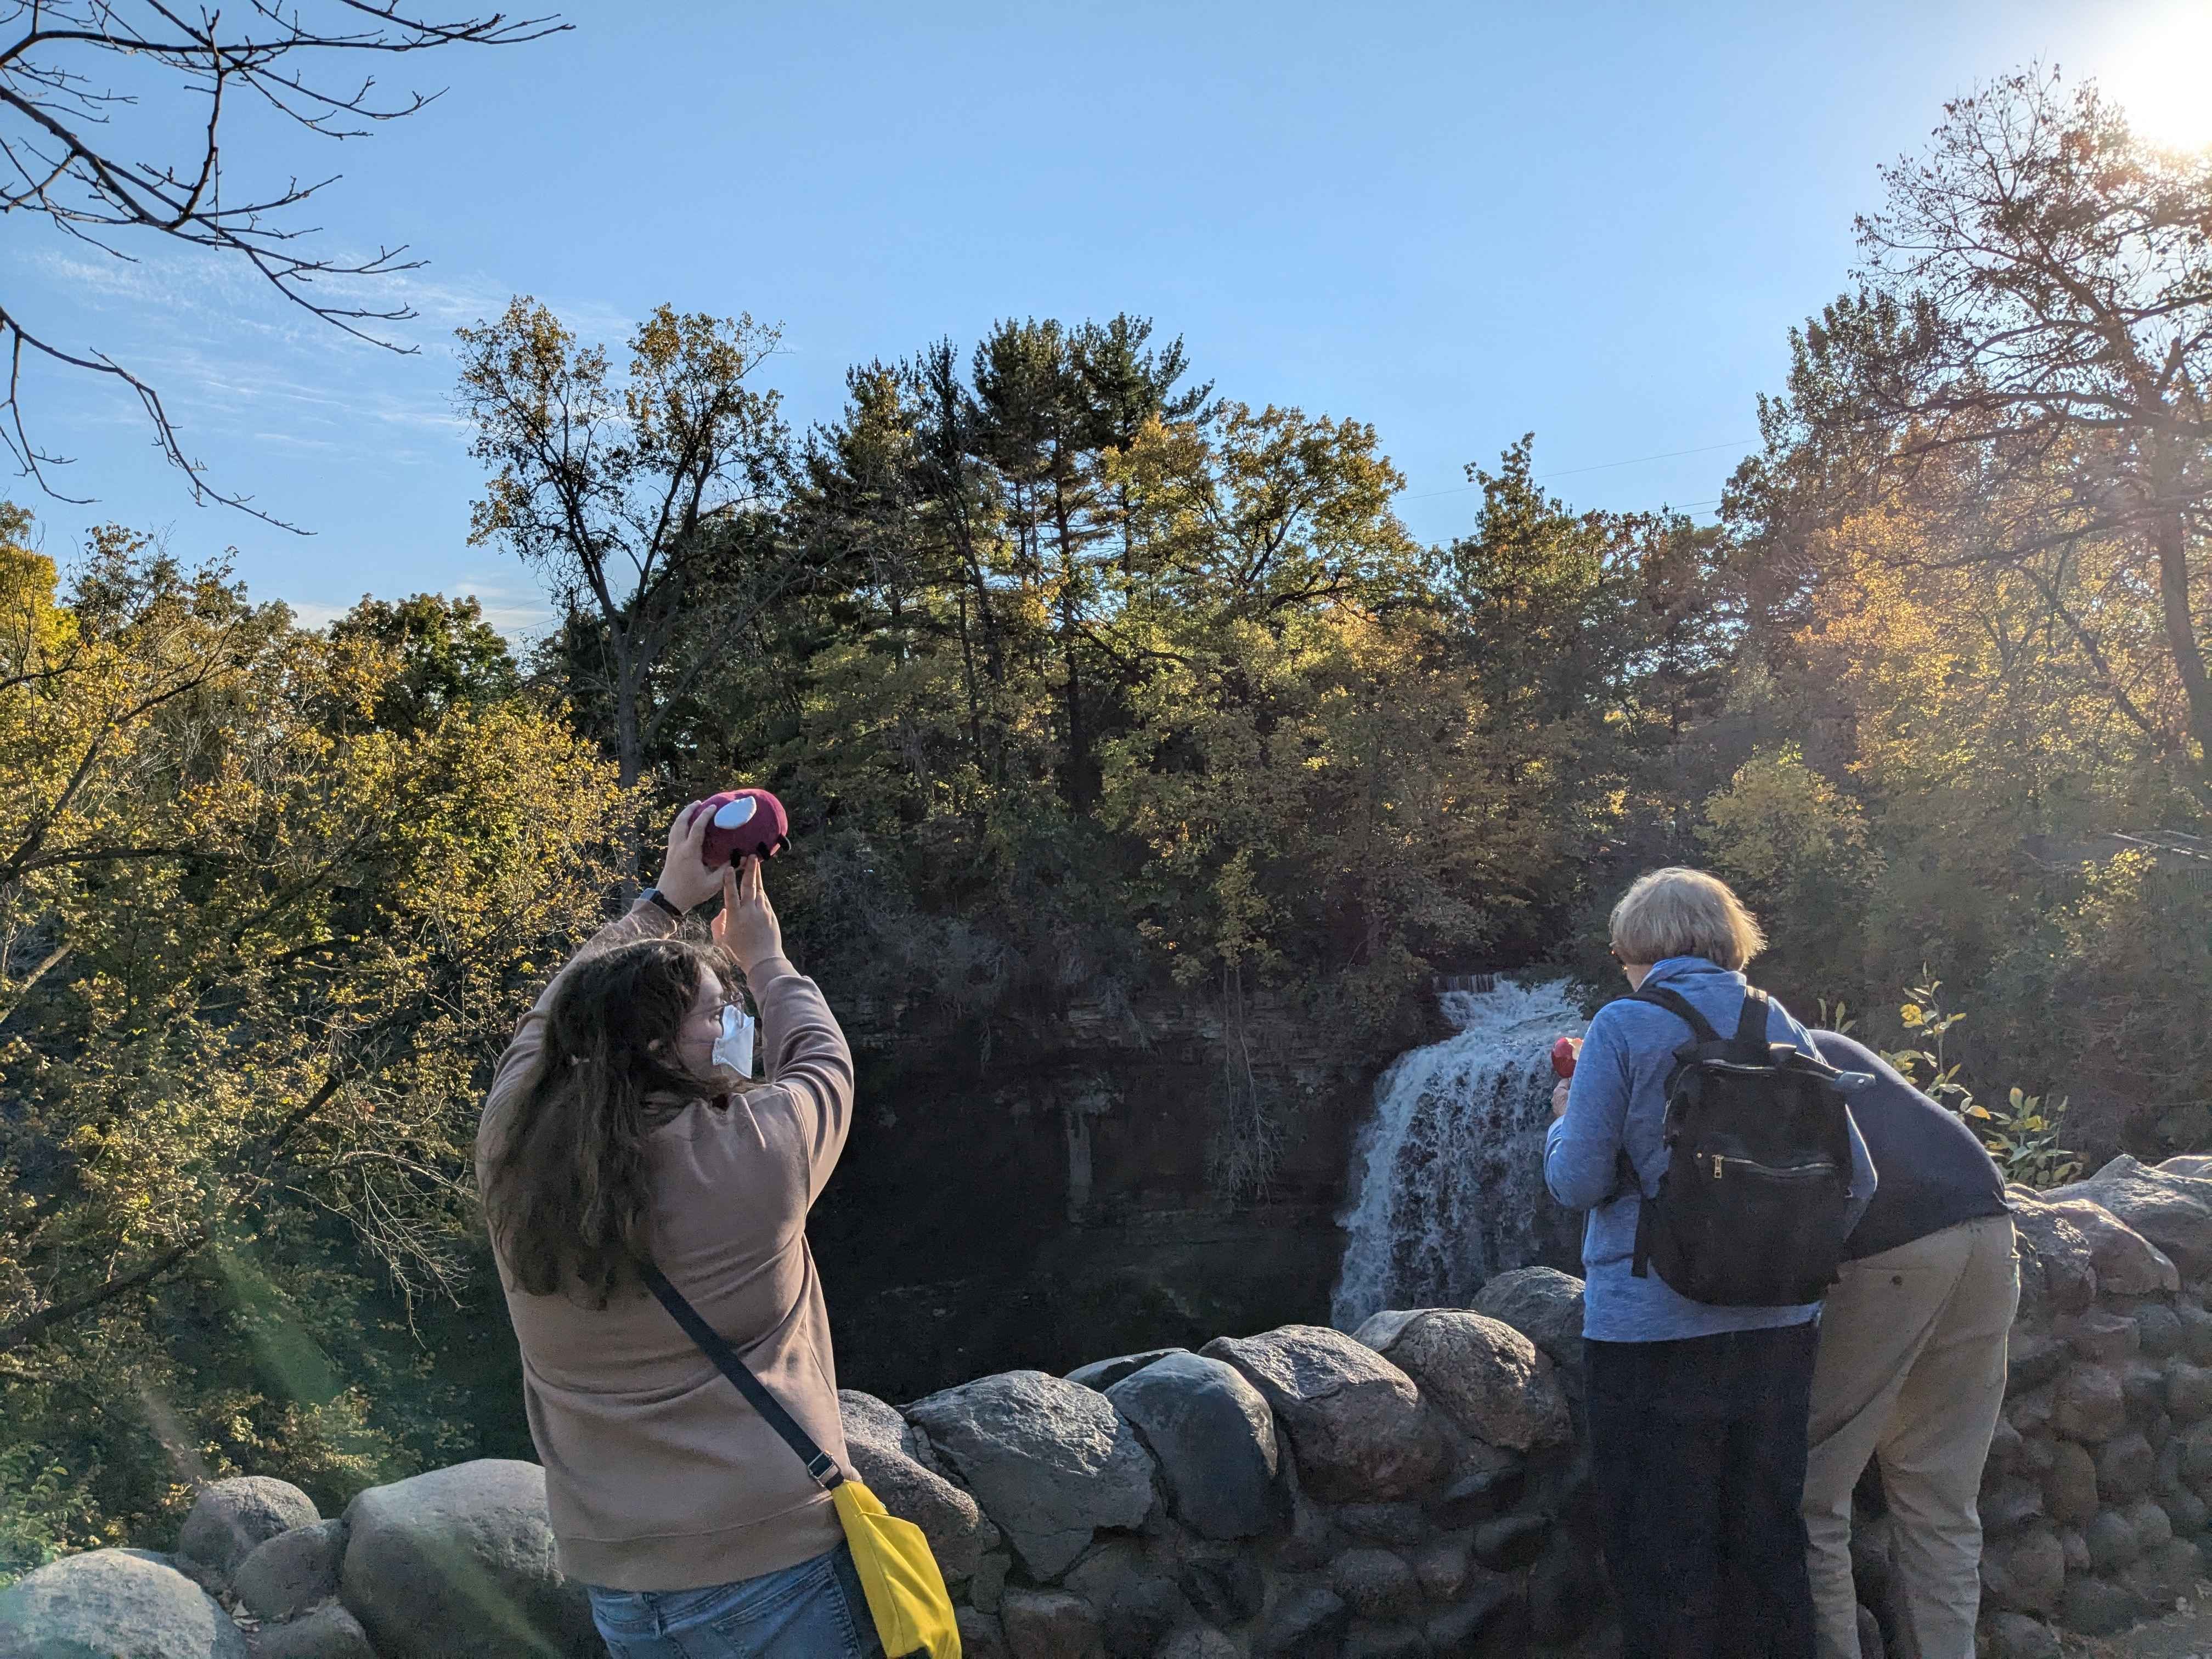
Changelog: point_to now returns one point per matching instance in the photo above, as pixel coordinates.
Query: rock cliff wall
(1417, 1489)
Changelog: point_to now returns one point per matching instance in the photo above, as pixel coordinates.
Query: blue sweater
(1620, 1097)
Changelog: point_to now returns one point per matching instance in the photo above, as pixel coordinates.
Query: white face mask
(734, 1048)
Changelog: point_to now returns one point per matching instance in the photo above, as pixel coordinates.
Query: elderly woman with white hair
(1697, 1411)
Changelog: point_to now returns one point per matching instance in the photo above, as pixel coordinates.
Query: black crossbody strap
(1751, 1024)
(1679, 1006)
(819, 1464)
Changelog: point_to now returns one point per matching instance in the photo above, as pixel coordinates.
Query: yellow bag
(906, 1599)
(906, 1592)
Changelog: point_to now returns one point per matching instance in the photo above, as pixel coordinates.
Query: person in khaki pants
(1911, 1365)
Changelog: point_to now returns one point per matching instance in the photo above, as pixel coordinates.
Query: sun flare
(2163, 78)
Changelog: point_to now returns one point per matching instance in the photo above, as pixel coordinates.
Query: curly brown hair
(566, 1191)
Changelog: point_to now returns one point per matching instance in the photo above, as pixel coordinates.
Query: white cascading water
(1449, 1181)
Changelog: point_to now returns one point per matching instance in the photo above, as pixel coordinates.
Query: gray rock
(2161, 1330)
(2032, 1413)
(1048, 1624)
(1223, 1582)
(328, 1632)
(2125, 1464)
(1545, 1306)
(1512, 1543)
(2015, 1636)
(2008, 1504)
(989, 1582)
(2091, 1406)
(863, 1417)
(1198, 1641)
(2153, 1527)
(2032, 1359)
(2196, 1332)
(1385, 1642)
(982, 1635)
(292, 1571)
(2007, 1447)
(1051, 1461)
(2077, 1551)
(2070, 1491)
(2111, 1542)
(2027, 1574)
(230, 1517)
(2100, 1336)
(2127, 1264)
(2097, 1607)
(1355, 1421)
(880, 1443)
(2197, 1459)
(1378, 1583)
(2188, 1391)
(112, 1605)
(1492, 1609)
(2186, 1510)
(1214, 1439)
(2172, 1210)
(459, 1563)
(1489, 1482)
(1490, 1380)
(1103, 1374)
(2064, 1259)
(2175, 1567)
(1306, 1624)
(1441, 1566)
(1395, 1524)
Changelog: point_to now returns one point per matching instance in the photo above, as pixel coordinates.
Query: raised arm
(1582, 1149)
(808, 1058)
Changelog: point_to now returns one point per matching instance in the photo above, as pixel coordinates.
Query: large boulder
(292, 1571)
(1488, 1378)
(328, 1632)
(459, 1563)
(1103, 1374)
(2127, 1264)
(2174, 1210)
(883, 1447)
(1051, 1461)
(111, 1604)
(2062, 1261)
(1545, 1306)
(1355, 1420)
(230, 1517)
(1215, 1440)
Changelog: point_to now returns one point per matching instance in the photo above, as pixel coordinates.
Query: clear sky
(1458, 221)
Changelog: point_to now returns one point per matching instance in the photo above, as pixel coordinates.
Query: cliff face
(1038, 1203)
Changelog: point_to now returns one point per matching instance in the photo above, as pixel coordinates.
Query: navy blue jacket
(1934, 1172)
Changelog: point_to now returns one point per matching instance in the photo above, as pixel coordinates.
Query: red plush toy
(1564, 1053)
(745, 822)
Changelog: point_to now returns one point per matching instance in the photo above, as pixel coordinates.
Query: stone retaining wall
(1418, 1489)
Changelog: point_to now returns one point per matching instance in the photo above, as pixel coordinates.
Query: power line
(1601, 466)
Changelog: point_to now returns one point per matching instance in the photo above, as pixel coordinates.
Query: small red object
(743, 823)
(1563, 1056)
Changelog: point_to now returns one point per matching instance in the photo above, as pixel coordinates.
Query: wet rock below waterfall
(1355, 1420)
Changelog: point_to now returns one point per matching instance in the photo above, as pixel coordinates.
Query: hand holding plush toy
(743, 823)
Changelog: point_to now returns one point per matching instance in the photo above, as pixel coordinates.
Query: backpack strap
(819, 1464)
(1679, 1006)
(1751, 1026)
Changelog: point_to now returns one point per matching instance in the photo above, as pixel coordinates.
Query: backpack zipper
(1719, 1165)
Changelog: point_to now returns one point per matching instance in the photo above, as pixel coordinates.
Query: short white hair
(1676, 912)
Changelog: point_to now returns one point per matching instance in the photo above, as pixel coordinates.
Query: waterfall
(1448, 1184)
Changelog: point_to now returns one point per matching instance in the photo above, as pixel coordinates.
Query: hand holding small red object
(742, 824)
(1563, 1054)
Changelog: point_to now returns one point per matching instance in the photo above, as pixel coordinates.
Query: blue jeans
(815, 1610)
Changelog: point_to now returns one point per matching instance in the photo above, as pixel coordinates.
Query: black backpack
(1753, 1210)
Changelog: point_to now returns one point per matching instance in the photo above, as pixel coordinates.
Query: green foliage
(268, 901)
(2021, 1135)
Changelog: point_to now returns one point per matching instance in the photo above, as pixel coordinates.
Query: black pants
(1698, 1453)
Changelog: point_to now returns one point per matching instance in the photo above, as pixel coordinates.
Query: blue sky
(1458, 223)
